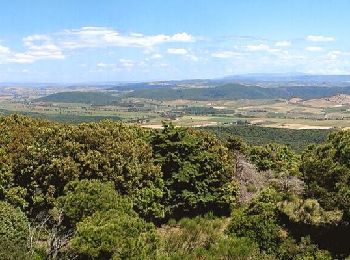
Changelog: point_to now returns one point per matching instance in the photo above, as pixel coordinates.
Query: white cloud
(319, 38)
(39, 47)
(283, 44)
(182, 37)
(102, 37)
(36, 38)
(333, 55)
(261, 47)
(4, 50)
(226, 54)
(54, 46)
(156, 56)
(126, 63)
(258, 47)
(101, 65)
(178, 51)
(314, 48)
(192, 57)
(183, 52)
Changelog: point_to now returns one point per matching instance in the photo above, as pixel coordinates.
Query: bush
(14, 225)
(115, 234)
(84, 198)
(259, 222)
(326, 172)
(203, 238)
(14, 232)
(275, 157)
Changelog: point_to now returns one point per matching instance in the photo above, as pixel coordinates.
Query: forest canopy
(108, 190)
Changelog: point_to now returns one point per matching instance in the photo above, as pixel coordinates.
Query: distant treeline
(296, 139)
(94, 98)
(169, 92)
(238, 91)
(63, 118)
(206, 111)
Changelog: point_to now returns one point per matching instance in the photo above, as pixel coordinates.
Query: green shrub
(83, 198)
(14, 225)
(326, 172)
(259, 222)
(115, 234)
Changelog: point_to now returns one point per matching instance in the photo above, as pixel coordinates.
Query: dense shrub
(261, 221)
(44, 157)
(203, 238)
(326, 172)
(113, 233)
(198, 172)
(14, 225)
(83, 198)
(14, 232)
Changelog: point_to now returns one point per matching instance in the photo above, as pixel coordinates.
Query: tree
(44, 156)
(197, 169)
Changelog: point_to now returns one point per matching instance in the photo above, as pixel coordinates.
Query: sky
(145, 40)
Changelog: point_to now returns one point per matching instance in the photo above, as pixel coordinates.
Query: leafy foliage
(197, 172)
(326, 172)
(84, 198)
(309, 212)
(44, 157)
(261, 221)
(13, 224)
(115, 234)
(203, 238)
(296, 139)
(92, 191)
(274, 157)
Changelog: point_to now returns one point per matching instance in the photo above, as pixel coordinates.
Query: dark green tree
(198, 171)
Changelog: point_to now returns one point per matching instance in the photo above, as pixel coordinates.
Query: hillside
(238, 91)
(95, 98)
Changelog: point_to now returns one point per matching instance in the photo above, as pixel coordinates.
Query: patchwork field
(69, 104)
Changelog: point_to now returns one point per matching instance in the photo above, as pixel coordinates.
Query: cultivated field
(295, 113)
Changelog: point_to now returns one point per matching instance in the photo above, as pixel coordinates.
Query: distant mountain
(94, 98)
(161, 84)
(288, 77)
(239, 91)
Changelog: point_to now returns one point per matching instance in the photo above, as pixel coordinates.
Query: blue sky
(135, 40)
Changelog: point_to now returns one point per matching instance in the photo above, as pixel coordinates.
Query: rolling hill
(94, 98)
(238, 91)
